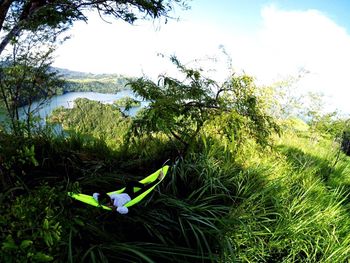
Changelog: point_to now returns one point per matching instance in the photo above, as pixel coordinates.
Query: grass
(301, 213)
(287, 203)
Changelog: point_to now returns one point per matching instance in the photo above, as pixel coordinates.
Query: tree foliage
(32, 28)
(180, 108)
(282, 99)
(26, 76)
(17, 16)
(92, 85)
(127, 103)
(92, 118)
(34, 229)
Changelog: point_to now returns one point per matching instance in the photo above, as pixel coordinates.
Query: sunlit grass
(301, 213)
(285, 203)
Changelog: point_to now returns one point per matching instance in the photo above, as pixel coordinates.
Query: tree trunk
(28, 10)
(4, 8)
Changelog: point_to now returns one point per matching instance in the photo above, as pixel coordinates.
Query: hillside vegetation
(244, 186)
(81, 81)
(256, 174)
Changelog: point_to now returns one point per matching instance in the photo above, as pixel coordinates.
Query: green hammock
(88, 199)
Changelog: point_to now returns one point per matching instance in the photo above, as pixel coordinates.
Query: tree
(94, 119)
(314, 105)
(26, 76)
(282, 99)
(181, 108)
(331, 124)
(29, 26)
(17, 16)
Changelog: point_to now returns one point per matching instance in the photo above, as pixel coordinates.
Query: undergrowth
(286, 203)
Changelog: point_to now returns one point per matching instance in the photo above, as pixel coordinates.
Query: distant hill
(71, 74)
(82, 81)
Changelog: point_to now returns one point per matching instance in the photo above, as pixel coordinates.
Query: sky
(270, 40)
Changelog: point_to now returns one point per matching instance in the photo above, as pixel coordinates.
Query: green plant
(180, 109)
(26, 77)
(127, 103)
(30, 230)
(38, 17)
(92, 119)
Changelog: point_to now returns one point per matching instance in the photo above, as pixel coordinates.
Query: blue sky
(247, 13)
(270, 40)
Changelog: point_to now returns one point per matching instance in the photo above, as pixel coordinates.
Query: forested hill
(72, 74)
(82, 81)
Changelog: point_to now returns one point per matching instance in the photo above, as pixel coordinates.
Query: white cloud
(132, 50)
(291, 40)
(284, 42)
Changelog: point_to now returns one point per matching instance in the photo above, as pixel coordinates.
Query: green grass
(286, 203)
(301, 213)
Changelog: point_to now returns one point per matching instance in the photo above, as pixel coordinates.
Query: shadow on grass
(299, 160)
(163, 228)
(331, 175)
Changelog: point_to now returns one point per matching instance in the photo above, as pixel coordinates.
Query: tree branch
(178, 138)
(17, 27)
(4, 8)
(10, 35)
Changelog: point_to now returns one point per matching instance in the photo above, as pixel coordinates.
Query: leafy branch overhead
(26, 77)
(29, 33)
(35, 15)
(181, 108)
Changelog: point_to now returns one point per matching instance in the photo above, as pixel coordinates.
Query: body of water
(67, 101)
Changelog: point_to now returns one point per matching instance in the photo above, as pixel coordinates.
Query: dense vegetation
(80, 81)
(31, 30)
(95, 120)
(250, 181)
(234, 194)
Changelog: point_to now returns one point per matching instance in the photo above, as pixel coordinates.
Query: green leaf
(9, 244)
(46, 224)
(41, 257)
(25, 243)
(79, 222)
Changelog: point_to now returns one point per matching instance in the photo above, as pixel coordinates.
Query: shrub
(180, 109)
(29, 228)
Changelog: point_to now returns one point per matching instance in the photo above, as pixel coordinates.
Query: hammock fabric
(88, 199)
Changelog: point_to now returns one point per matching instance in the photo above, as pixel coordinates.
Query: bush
(180, 109)
(29, 228)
